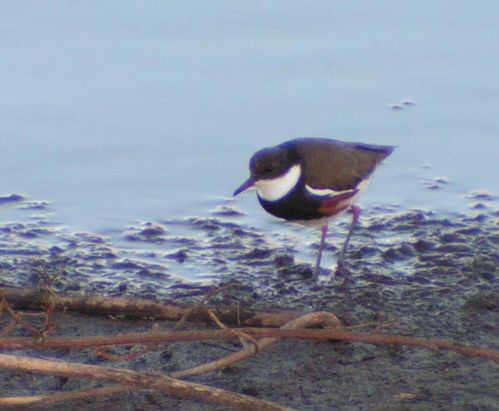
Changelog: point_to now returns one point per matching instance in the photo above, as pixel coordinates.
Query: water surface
(119, 112)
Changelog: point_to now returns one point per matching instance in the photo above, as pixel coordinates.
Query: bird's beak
(247, 184)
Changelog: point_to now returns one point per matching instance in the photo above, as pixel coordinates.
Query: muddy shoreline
(433, 276)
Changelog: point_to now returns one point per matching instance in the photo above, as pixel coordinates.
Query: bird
(312, 181)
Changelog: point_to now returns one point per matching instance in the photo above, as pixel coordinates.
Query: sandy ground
(433, 276)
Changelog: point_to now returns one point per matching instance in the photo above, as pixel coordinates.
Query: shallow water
(150, 111)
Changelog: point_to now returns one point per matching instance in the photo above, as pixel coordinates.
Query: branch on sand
(64, 396)
(200, 335)
(167, 385)
(308, 320)
(295, 327)
(141, 308)
(288, 330)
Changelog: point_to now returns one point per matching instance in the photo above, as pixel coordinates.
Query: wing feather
(337, 165)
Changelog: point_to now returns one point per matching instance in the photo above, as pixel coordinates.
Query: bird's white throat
(276, 188)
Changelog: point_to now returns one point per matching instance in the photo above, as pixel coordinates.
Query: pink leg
(341, 258)
(321, 247)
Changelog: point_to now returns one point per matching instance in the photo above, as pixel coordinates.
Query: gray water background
(124, 111)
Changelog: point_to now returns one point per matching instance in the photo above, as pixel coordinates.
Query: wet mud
(433, 276)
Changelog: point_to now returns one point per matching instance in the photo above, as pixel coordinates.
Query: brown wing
(336, 164)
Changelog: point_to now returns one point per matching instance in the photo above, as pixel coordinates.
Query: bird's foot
(342, 270)
(316, 273)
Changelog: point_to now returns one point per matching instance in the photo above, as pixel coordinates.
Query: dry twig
(199, 335)
(64, 396)
(188, 312)
(294, 328)
(142, 308)
(17, 318)
(241, 335)
(308, 320)
(167, 385)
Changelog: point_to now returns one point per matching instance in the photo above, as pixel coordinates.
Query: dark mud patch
(11, 198)
(433, 276)
(227, 211)
(147, 231)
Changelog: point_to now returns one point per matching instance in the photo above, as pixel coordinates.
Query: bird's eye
(268, 169)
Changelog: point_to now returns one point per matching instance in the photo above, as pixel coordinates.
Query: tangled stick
(202, 304)
(142, 308)
(308, 320)
(243, 337)
(167, 385)
(199, 335)
(16, 319)
(294, 329)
